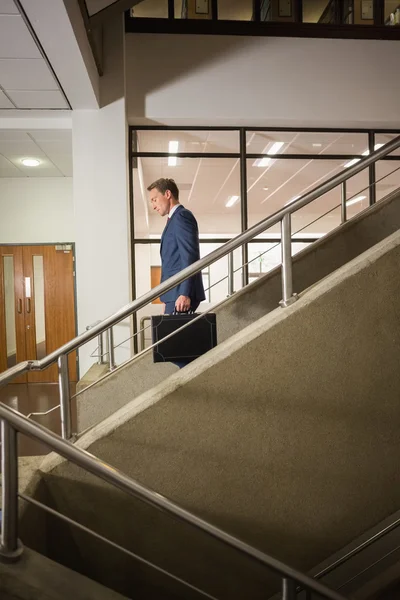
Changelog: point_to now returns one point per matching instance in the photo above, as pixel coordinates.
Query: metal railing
(11, 548)
(282, 217)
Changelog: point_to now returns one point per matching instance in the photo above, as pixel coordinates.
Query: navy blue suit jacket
(180, 248)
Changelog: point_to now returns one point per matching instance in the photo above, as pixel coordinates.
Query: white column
(101, 206)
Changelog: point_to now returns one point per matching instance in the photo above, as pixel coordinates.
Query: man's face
(160, 202)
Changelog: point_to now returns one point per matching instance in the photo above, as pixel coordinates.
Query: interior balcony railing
(300, 18)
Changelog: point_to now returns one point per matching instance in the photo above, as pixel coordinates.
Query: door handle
(19, 306)
(28, 305)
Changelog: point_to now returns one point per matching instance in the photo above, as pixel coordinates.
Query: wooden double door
(37, 307)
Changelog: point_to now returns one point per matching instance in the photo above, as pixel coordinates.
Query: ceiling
(26, 80)
(53, 148)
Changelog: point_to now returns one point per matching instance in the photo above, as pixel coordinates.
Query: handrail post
(288, 589)
(343, 201)
(10, 547)
(288, 297)
(100, 360)
(231, 274)
(111, 353)
(142, 330)
(65, 397)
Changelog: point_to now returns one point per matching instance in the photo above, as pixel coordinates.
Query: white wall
(36, 210)
(100, 160)
(262, 81)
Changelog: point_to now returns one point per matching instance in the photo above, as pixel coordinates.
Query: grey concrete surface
(35, 577)
(246, 306)
(27, 467)
(285, 435)
(95, 373)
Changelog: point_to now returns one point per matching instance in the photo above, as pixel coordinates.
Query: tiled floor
(36, 397)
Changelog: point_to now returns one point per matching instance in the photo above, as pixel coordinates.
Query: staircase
(285, 436)
(247, 306)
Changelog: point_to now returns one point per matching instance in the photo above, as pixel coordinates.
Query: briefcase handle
(186, 312)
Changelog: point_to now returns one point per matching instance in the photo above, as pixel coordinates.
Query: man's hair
(163, 185)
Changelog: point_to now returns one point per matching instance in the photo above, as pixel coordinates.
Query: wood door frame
(73, 249)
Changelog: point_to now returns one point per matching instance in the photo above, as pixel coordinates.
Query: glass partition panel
(279, 182)
(277, 10)
(38, 287)
(238, 10)
(155, 9)
(275, 183)
(9, 306)
(387, 177)
(392, 12)
(209, 187)
(196, 142)
(265, 256)
(331, 12)
(383, 138)
(296, 142)
(325, 214)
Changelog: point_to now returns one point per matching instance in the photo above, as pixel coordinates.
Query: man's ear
(168, 194)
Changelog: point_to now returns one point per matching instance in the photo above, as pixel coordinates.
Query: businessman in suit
(179, 247)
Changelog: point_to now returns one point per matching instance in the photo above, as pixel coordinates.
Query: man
(179, 248)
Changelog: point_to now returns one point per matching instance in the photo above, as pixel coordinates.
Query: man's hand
(182, 304)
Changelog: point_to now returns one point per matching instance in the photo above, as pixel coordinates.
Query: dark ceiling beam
(120, 6)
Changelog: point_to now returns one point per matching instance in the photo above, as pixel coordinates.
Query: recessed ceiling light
(231, 201)
(365, 153)
(275, 147)
(261, 162)
(173, 146)
(351, 163)
(30, 162)
(317, 145)
(264, 162)
(265, 189)
(355, 200)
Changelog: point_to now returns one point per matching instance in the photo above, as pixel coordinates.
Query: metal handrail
(13, 422)
(217, 254)
(282, 216)
(194, 268)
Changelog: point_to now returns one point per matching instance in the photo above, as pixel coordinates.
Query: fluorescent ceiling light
(365, 153)
(231, 201)
(317, 145)
(264, 162)
(30, 162)
(275, 147)
(261, 162)
(351, 162)
(173, 147)
(355, 200)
